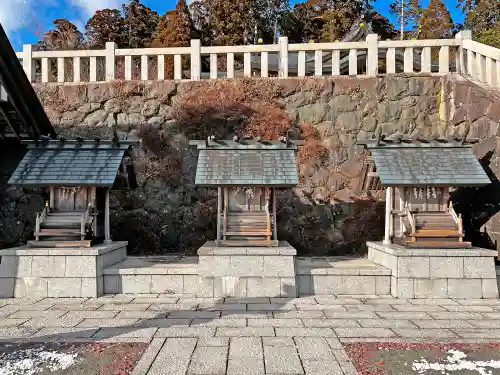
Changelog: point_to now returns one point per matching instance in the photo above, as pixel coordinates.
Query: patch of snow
(34, 360)
(456, 361)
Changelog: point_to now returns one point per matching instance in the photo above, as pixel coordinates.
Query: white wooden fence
(480, 61)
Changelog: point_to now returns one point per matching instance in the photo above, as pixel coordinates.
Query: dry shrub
(251, 102)
(312, 150)
(366, 223)
(162, 161)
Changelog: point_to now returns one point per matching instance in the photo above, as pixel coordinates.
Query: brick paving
(278, 336)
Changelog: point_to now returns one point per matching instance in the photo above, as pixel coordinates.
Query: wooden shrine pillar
(219, 204)
(226, 194)
(275, 224)
(107, 236)
(51, 198)
(402, 199)
(388, 215)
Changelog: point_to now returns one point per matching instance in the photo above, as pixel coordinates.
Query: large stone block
(402, 287)
(7, 287)
(136, 284)
(31, 287)
(382, 285)
(358, 285)
(305, 285)
(437, 273)
(465, 288)
(263, 287)
(229, 286)
(447, 267)
(59, 272)
(246, 272)
(479, 268)
(489, 288)
(431, 288)
(166, 283)
(64, 287)
(48, 266)
(112, 284)
(80, 265)
(414, 267)
(279, 265)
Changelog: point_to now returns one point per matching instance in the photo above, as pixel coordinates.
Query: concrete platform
(180, 275)
(437, 273)
(157, 274)
(27, 272)
(341, 276)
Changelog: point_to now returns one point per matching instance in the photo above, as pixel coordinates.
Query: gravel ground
(425, 358)
(70, 359)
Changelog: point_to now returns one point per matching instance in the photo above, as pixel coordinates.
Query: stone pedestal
(57, 272)
(246, 271)
(437, 273)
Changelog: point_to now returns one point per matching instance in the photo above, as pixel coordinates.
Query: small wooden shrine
(417, 175)
(79, 174)
(247, 173)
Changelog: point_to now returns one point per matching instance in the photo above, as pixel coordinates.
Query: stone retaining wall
(322, 216)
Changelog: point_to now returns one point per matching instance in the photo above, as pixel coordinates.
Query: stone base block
(341, 275)
(156, 274)
(437, 273)
(247, 272)
(59, 272)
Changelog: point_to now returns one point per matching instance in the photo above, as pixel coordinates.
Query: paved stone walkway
(276, 336)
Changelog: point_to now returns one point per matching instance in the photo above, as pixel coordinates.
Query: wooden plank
(243, 243)
(439, 245)
(219, 205)
(66, 213)
(438, 235)
(86, 243)
(275, 225)
(225, 212)
(248, 233)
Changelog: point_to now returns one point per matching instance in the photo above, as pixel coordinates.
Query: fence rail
(369, 57)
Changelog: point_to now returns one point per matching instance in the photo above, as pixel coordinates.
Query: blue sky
(25, 20)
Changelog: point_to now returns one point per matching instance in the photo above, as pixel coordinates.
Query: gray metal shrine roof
(426, 162)
(70, 163)
(230, 163)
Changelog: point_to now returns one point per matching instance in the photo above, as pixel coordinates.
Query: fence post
(460, 59)
(28, 61)
(110, 60)
(195, 59)
(372, 55)
(283, 57)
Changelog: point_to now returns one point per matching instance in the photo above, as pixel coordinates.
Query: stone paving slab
(261, 336)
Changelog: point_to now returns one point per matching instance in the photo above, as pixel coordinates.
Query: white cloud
(90, 6)
(14, 13)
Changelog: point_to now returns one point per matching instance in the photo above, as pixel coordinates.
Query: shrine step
(248, 233)
(62, 243)
(439, 245)
(66, 213)
(60, 225)
(58, 232)
(438, 233)
(243, 243)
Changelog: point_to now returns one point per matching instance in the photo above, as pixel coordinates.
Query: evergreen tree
(175, 30)
(407, 13)
(140, 23)
(105, 26)
(232, 22)
(436, 22)
(483, 18)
